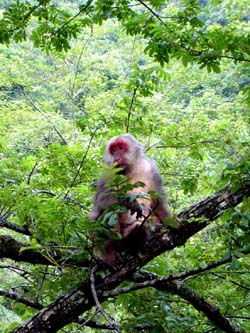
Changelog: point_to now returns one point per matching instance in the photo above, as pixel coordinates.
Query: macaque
(126, 153)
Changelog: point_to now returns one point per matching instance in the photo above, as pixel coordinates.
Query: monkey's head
(124, 151)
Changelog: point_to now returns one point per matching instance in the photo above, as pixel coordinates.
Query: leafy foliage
(189, 109)
(172, 29)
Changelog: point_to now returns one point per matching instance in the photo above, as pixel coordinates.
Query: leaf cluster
(194, 124)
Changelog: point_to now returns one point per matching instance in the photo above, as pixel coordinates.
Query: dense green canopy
(176, 75)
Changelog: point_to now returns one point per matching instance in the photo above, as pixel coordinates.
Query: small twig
(130, 108)
(158, 144)
(239, 317)
(21, 89)
(73, 17)
(231, 281)
(31, 173)
(20, 271)
(152, 12)
(136, 286)
(62, 247)
(40, 284)
(4, 217)
(82, 161)
(234, 58)
(199, 270)
(100, 309)
(90, 323)
(44, 192)
(189, 144)
(26, 17)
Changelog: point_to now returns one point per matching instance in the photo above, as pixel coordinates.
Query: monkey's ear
(132, 139)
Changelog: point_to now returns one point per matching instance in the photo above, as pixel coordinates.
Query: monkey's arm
(102, 200)
(161, 209)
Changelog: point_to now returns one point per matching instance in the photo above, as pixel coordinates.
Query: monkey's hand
(94, 214)
(137, 209)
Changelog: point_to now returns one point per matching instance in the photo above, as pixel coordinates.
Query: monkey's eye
(118, 146)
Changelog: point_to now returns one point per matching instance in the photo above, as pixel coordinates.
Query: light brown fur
(137, 167)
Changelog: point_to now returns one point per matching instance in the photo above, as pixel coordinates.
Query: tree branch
(92, 324)
(35, 107)
(25, 18)
(81, 10)
(10, 248)
(231, 281)
(239, 317)
(200, 304)
(82, 161)
(20, 271)
(130, 108)
(181, 289)
(12, 226)
(112, 323)
(21, 299)
(152, 12)
(199, 270)
(70, 306)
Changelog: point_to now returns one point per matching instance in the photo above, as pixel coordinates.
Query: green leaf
(172, 222)
(235, 263)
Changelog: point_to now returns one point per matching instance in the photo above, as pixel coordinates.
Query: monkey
(126, 153)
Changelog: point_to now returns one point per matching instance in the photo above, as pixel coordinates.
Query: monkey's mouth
(121, 165)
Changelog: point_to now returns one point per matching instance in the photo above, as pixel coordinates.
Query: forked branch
(75, 302)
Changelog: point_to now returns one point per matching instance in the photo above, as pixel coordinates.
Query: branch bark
(67, 308)
(179, 288)
(20, 299)
(200, 304)
(10, 248)
(12, 226)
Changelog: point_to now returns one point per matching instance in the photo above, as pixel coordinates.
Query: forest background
(73, 74)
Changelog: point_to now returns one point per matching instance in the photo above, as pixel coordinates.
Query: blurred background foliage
(176, 77)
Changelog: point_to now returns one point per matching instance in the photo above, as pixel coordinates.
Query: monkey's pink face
(118, 152)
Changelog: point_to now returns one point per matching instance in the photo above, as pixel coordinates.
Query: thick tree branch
(67, 308)
(200, 304)
(10, 248)
(146, 279)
